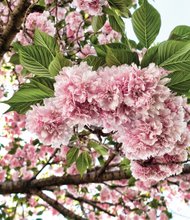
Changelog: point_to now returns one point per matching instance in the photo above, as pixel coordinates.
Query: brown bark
(60, 208)
(13, 26)
(23, 186)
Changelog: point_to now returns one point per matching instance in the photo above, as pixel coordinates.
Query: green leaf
(16, 46)
(120, 4)
(36, 59)
(45, 40)
(72, 155)
(169, 214)
(181, 32)
(97, 147)
(131, 181)
(58, 63)
(30, 213)
(180, 82)
(125, 164)
(41, 3)
(109, 11)
(83, 162)
(45, 84)
(158, 54)
(98, 22)
(117, 23)
(121, 56)
(94, 61)
(101, 50)
(40, 212)
(179, 61)
(29, 94)
(146, 23)
(101, 160)
(154, 203)
(150, 56)
(15, 59)
(167, 49)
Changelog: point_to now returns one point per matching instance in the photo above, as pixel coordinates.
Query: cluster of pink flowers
(86, 51)
(92, 7)
(108, 35)
(150, 121)
(35, 20)
(74, 24)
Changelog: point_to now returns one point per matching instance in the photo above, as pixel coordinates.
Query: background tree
(98, 124)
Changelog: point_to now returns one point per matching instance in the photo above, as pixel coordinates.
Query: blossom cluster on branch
(98, 124)
(150, 120)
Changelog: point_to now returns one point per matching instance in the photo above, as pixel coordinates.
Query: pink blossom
(34, 21)
(2, 175)
(105, 195)
(49, 1)
(163, 216)
(108, 35)
(47, 122)
(92, 7)
(74, 28)
(184, 186)
(18, 68)
(92, 216)
(157, 169)
(86, 50)
(152, 214)
(15, 175)
(71, 89)
(26, 174)
(59, 13)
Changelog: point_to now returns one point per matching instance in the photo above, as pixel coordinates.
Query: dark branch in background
(98, 131)
(8, 5)
(149, 162)
(47, 163)
(61, 209)
(14, 24)
(109, 160)
(186, 169)
(89, 202)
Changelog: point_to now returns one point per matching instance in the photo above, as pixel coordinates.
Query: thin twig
(47, 163)
(109, 160)
(89, 202)
(9, 6)
(61, 209)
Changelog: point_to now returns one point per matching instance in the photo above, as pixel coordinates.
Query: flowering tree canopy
(97, 125)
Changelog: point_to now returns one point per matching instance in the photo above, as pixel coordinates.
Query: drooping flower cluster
(150, 121)
(92, 7)
(34, 21)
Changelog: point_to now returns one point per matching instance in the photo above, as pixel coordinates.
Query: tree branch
(13, 26)
(109, 160)
(89, 202)
(24, 186)
(47, 163)
(61, 209)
